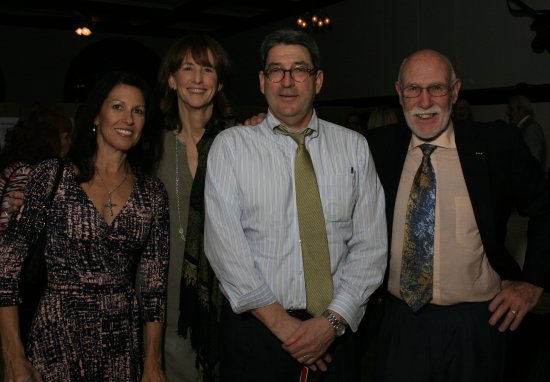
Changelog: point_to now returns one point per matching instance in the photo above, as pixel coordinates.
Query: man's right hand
(286, 327)
(309, 344)
(15, 200)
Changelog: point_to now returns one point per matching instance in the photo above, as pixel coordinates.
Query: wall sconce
(313, 20)
(83, 31)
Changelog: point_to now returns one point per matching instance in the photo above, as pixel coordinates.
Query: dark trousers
(250, 353)
(439, 344)
(528, 356)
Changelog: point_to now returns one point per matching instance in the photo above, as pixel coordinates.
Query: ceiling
(160, 18)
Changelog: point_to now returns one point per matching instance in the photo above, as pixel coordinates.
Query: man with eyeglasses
(297, 279)
(454, 293)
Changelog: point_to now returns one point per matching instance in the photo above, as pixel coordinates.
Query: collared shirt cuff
(257, 298)
(351, 311)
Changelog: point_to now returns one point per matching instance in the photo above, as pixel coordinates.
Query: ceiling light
(83, 31)
(314, 21)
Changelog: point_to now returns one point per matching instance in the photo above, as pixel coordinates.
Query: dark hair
(198, 46)
(35, 137)
(290, 37)
(141, 158)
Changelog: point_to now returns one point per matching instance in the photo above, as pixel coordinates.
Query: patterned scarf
(200, 296)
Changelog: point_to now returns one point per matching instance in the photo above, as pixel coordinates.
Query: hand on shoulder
(255, 119)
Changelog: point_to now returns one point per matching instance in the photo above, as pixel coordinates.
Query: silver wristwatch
(339, 326)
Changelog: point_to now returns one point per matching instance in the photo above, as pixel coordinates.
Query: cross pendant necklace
(110, 204)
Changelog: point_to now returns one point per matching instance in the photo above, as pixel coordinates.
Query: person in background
(462, 110)
(381, 116)
(108, 218)
(41, 135)
(353, 121)
(454, 290)
(294, 278)
(193, 85)
(520, 114)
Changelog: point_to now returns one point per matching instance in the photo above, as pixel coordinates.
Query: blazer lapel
(393, 168)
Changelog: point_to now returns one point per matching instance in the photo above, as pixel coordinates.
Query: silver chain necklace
(180, 231)
(110, 204)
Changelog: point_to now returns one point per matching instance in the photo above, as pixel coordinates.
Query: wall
(360, 55)
(34, 61)
(369, 39)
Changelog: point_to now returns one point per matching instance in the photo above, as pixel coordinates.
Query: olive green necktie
(313, 233)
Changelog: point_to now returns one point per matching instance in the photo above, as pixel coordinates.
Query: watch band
(339, 326)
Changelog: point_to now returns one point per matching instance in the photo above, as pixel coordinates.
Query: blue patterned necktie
(416, 283)
(313, 232)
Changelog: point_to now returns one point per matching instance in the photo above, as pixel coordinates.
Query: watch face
(340, 330)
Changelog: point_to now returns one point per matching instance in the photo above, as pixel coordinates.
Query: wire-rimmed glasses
(435, 90)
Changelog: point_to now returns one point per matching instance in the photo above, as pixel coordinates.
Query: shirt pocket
(337, 196)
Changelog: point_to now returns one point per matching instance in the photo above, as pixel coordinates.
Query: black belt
(300, 314)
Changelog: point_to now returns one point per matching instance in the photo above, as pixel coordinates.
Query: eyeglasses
(435, 90)
(297, 73)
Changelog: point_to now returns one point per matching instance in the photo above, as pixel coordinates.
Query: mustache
(431, 110)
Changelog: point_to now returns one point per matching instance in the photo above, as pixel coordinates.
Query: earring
(96, 125)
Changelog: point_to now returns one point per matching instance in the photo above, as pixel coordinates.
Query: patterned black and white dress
(89, 320)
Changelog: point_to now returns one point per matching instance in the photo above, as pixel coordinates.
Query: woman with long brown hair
(193, 83)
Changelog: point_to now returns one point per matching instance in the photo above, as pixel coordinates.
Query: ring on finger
(513, 311)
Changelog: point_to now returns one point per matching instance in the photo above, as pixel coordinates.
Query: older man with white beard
(453, 288)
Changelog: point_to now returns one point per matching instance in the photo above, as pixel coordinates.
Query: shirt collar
(445, 140)
(273, 122)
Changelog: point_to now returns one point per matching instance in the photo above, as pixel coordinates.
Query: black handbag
(33, 280)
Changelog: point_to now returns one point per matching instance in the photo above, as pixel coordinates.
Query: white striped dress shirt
(252, 238)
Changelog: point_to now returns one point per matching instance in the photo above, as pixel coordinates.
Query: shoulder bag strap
(58, 177)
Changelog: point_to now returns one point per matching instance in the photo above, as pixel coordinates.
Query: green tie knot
(299, 138)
